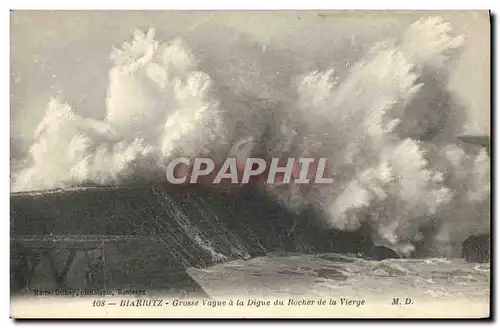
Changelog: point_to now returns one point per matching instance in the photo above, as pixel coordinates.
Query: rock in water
(476, 248)
(379, 253)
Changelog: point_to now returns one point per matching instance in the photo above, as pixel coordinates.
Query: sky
(65, 54)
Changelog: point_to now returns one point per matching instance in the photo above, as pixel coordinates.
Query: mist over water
(385, 119)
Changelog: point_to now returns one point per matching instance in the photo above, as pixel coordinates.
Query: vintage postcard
(250, 164)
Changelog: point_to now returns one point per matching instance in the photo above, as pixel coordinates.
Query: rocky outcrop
(378, 253)
(147, 236)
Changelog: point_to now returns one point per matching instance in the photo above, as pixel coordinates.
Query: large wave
(386, 123)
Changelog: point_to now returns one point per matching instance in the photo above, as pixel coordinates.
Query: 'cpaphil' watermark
(295, 170)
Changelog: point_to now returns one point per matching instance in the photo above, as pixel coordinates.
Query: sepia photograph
(250, 164)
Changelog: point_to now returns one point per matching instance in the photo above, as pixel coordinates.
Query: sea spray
(386, 123)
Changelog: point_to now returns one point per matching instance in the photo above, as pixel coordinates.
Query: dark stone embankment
(476, 248)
